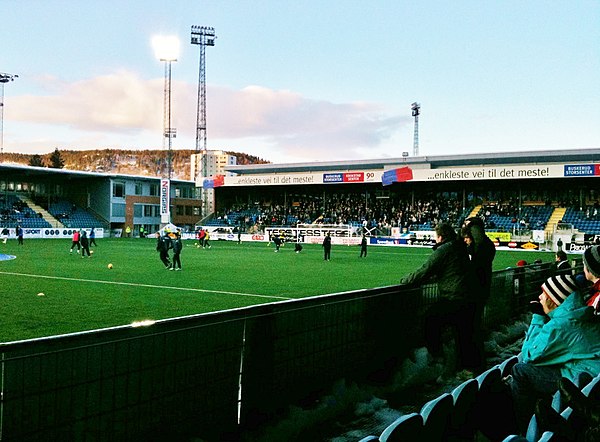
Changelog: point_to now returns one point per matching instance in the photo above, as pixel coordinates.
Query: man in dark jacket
(163, 245)
(449, 265)
(177, 246)
(561, 263)
(482, 252)
(327, 247)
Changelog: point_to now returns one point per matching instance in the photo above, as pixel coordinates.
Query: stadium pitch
(47, 291)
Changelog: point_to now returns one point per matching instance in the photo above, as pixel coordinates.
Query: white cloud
(122, 108)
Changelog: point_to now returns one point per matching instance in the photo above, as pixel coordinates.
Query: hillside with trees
(128, 162)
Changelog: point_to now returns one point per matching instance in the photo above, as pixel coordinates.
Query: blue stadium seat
(592, 389)
(534, 431)
(494, 394)
(436, 417)
(489, 378)
(406, 428)
(507, 365)
(515, 438)
(462, 420)
(548, 436)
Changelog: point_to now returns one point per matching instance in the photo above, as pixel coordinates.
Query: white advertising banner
(407, 173)
(165, 190)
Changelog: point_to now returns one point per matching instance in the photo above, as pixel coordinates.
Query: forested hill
(129, 162)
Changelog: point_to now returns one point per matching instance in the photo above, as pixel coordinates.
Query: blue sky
(306, 80)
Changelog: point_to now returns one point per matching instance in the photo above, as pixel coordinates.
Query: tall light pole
(4, 78)
(416, 110)
(202, 36)
(167, 49)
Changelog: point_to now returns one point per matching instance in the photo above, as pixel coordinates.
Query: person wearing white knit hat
(563, 340)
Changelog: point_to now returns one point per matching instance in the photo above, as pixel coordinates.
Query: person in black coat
(327, 248)
(482, 252)
(85, 244)
(363, 246)
(163, 244)
(562, 263)
(177, 246)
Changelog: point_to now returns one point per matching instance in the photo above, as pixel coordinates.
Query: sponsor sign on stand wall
(51, 232)
(405, 173)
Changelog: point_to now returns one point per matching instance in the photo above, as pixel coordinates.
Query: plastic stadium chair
(515, 438)
(592, 389)
(534, 432)
(507, 365)
(436, 417)
(557, 402)
(462, 420)
(494, 394)
(548, 436)
(406, 428)
(489, 378)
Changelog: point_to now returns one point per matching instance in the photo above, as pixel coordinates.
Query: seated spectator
(562, 263)
(563, 340)
(591, 270)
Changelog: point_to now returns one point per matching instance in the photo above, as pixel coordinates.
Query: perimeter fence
(218, 375)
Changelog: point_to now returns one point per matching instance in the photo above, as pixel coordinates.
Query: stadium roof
(489, 159)
(12, 171)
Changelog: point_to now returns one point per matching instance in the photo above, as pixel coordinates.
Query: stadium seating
(463, 418)
(515, 438)
(72, 216)
(507, 365)
(15, 212)
(436, 417)
(369, 439)
(583, 219)
(405, 428)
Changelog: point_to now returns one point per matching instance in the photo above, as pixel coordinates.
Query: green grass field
(83, 294)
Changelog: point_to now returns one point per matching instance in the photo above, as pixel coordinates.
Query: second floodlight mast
(202, 36)
(416, 111)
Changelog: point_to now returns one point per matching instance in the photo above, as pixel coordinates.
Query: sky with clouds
(308, 80)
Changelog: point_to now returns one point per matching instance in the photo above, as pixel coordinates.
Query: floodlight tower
(416, 110)
(202, 36)
(4, 78)
(166, 49)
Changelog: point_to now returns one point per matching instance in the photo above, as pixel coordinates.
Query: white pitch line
(142, 285)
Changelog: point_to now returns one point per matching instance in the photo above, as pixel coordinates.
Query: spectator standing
(482, 252)
(562, 341)
(93, 237)
(559, 245)
(177, 246)
(85, 244)
(450, 266)
(19, 232)
(327, 247)
(591, 270)
(5, 233)
(163, 245)
(75, 242)
(363, 246)
(562, 263)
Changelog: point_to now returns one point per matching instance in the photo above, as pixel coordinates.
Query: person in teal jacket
(563, 340)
